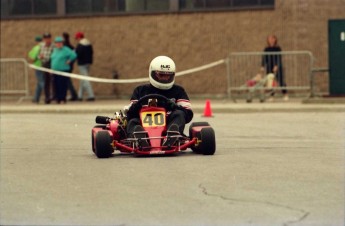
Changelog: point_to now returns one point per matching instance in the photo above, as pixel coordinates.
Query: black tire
(207, 146)
(196, 149)
(194, 124)
(103, 147)
(93, 140)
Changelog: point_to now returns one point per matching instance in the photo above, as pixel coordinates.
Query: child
(260, 82)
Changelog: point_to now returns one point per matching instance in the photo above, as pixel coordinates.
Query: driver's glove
(171, 105)
(133, 111)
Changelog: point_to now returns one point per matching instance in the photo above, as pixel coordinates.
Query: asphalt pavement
(269, 169)
(276, 163)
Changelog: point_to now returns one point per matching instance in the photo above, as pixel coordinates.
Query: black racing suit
(180, 116)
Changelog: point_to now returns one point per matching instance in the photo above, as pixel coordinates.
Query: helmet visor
(163, 77)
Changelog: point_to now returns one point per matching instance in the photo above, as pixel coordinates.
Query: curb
(198, 105)
(198, 110)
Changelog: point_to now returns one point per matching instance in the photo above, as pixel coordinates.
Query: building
(127, 34)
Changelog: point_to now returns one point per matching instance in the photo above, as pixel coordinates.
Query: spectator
(84, 52)
(61, 60)
(46, 49)
(272, 63)
(70, 87)
(162, 79)
(34, 58)
(256, 83)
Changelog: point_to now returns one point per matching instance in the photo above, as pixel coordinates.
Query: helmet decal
(165, 67)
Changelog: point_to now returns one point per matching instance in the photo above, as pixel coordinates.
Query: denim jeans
(39, 86)
(70, 88)
(85, 85)
(61, 83)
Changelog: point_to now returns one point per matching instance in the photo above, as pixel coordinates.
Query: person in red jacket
(84, 52)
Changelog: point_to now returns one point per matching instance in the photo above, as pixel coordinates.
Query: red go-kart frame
(110, 133)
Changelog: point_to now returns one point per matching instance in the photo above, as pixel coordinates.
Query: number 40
(156, 120)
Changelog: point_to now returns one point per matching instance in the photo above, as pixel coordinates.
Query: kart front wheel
(103, 147)
(196, 149)
(93, 138)
(207, 145)
(195, 124)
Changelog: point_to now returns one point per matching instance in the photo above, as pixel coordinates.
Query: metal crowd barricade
(14, 77)
(242, 66)
(314, 92)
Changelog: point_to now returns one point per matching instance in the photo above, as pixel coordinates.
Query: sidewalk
(108, 106)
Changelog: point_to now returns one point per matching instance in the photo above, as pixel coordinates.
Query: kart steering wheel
(167, 103)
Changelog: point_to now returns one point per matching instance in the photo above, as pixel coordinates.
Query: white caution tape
(204, 67)
(135, 80)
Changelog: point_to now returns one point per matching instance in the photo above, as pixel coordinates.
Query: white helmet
(162, 72)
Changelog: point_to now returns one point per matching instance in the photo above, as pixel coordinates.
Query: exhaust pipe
(102, 119)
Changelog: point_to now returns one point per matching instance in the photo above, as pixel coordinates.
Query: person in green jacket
(34, 58)
(61, 60)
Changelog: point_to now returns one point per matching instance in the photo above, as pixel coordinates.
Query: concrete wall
(128, 43)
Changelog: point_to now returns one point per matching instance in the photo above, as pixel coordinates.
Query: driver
(162, 77)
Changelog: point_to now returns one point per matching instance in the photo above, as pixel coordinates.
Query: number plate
(153, 118)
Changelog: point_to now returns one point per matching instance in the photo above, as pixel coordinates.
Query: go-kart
(110, 133)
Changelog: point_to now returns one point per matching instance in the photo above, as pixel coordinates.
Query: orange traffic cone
(208, 110)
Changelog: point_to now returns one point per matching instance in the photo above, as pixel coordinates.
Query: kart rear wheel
(207, 146)
(93, 139)
(103, 147)
(195, 124)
